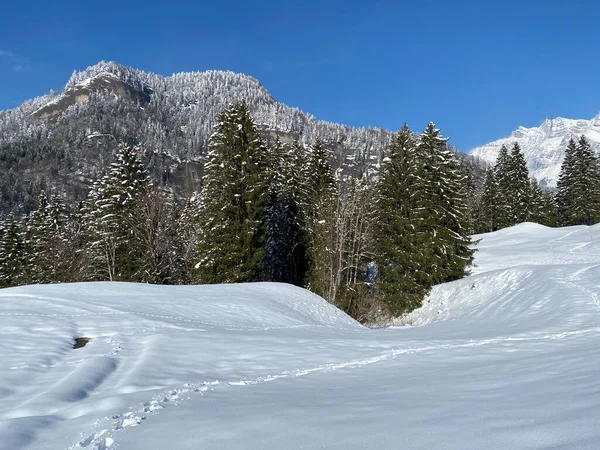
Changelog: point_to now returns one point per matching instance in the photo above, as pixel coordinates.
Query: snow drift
(505, 358)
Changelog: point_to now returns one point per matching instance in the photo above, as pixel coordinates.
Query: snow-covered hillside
(544, 146)
(504, 359)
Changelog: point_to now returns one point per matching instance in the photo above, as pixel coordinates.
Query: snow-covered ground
(507, 358)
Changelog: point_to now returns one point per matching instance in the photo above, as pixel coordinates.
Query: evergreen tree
(444, 208)
(111, 213)
(490, 204)
(502, 177)
(519, 190)
(285, 253)
(587, 183)
(537, 203)
(578, 196)
(402, 277)
(235, 195)
(13, 256)
(322, 228)
(566, 197)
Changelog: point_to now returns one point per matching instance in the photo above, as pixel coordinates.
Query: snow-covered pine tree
(110, 213)
(578, 196)
(322, 227)
(537, 204)
(489, 204)
(37, 236)
(444, 204)
(399, 236)
(587, 183)
(13, 255)
(566, 197)
(233, 212)
(519, 191)
(285, 252)
(501, 175)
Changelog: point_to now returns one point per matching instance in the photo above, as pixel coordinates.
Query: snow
(544, 146)
(506, 358)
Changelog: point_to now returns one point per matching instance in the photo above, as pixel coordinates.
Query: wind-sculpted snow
(503, 359)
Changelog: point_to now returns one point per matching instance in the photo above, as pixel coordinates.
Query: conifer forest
(371, 242)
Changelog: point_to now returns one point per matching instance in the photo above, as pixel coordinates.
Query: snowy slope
(504, 359)
(544, 146)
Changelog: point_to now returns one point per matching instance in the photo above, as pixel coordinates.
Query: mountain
(544, 146)
(62, 141)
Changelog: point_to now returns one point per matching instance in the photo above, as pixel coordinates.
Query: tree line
(373, 246)
(509, 196)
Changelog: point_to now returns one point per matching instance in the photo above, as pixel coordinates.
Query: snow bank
(505, 358)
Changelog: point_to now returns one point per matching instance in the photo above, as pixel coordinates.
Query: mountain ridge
(544, 146)
(60, 142)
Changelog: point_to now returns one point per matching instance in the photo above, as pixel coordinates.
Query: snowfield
(507, 358)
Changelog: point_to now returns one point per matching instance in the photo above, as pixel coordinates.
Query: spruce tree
(402, 278)
(233, 212)
(322, 226)
(537, 203)
(443, 204)
(578, 195)
(519, 191)
(566, 197)
(13, 255)
(490, 204)
(587, 183)
(285, 253)
(502, 177)
(110, 213)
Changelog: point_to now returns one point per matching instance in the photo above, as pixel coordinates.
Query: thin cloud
(13, 62)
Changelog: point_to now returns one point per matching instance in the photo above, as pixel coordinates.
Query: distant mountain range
(544, 146)
(61, 141)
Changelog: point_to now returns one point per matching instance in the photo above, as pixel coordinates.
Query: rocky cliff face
(544, 146)
(78, 93)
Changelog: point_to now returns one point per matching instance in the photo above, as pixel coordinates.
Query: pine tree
(110, 213)
(502, 177)
(233, 213)
(566, 197)
(322, 227)
(490, 204)
(587, 183)
(13, 256)
(578, 196)
(519, 191)
(402, 277)
(537, 204)
(444, 208)
(285, 253)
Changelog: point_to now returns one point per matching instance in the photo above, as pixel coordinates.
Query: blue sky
(478, 69)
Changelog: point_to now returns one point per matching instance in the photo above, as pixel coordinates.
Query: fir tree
(13, 256)
(502, 177)
(578, 196)
(519, 190)
(490, 204)
(443, 204)
(566, 196)
(285, 254)
(321, 222)
(537, 203)
(233, 213)
(402, 277)
(110, 213)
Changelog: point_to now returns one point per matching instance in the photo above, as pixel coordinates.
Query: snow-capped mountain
(61, 141)
(544, 146)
